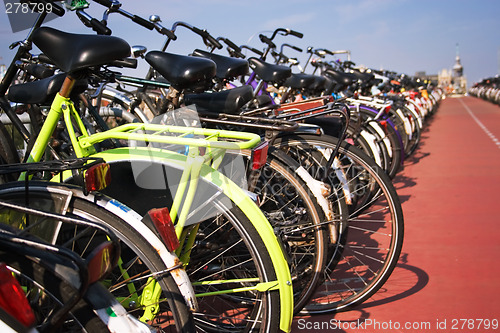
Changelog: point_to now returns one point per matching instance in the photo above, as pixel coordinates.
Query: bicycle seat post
(67, 86)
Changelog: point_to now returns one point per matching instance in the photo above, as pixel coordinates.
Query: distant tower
(458, 78)
(458, 70)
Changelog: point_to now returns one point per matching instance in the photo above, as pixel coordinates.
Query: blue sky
(401, 35)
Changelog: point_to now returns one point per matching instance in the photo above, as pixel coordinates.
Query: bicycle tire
(297, 219)
(366, 142)
(396, 141)
(137, 250)
(374, 207)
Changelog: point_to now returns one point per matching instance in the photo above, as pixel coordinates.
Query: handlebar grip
(58, 10)
(267, 40)
(214, 41)
(43, 58)
(205, 35)
(145, 23)
(296, 48)
(100, 28)
(254, 50)
(198, 31)
(232, 45)
(296, 34)
(168, 33)
(39, 71)
(105, 3)
(234, 48)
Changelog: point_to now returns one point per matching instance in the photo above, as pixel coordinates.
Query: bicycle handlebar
(145, 23)
(93, 23)
(115, 7)
(267, 40)
(206, 36)
(254, 50)
(287, 32)
(296, 48)
(234, 49)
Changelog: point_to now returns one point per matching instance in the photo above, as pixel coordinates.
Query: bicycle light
(13, 299)
(165, 227)
(259, 155)
(97, 177)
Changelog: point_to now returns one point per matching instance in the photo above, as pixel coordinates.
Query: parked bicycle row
(242, 192)
(487, 89)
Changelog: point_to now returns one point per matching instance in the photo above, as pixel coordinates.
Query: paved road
(448, 276)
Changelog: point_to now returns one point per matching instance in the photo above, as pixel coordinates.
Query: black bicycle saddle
(73, 52)
(42, 91)
(300, 81)
(227, 67)
(182, 72)
(269, 72)
(227, 101)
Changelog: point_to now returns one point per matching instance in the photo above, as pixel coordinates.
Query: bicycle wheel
(297, 219)
(416, 130)
(368, 144)
(391, 139)
(140, 266)
(233, 274)
(47, 293)
(363, 259)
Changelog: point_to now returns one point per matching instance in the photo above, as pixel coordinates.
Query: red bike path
(448, 275)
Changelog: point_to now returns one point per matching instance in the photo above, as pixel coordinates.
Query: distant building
(445, 80)
(422, 75)
(453, 81)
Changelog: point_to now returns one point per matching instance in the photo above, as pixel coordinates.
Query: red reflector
(387, 109)
(384, 124)
(101, 261)
(259, 155)
(165, 227)
(13, 299)
(97, 177)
